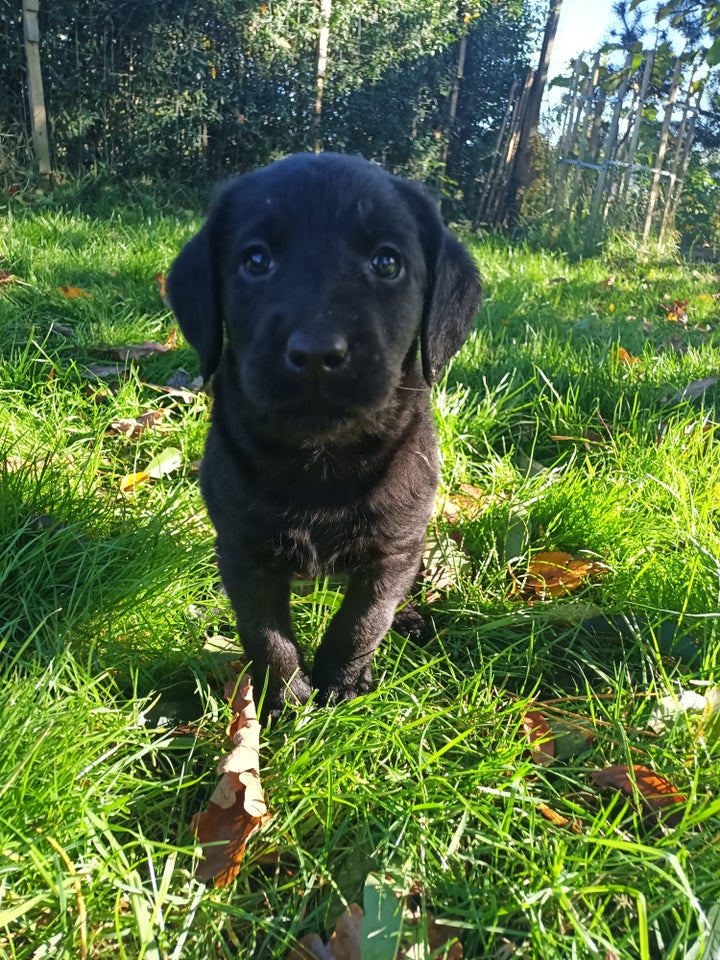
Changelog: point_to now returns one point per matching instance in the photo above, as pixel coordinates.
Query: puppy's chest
(328, 541)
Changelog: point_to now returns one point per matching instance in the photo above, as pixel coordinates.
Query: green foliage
(193, 93)
(698, 219)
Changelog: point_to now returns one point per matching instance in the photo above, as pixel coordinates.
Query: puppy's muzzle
(314, 356)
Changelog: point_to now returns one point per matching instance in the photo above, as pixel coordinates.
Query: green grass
(113, 717)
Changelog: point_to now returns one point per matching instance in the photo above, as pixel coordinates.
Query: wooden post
(660, 158)
(38, 117)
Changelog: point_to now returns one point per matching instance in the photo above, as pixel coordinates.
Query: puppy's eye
(386, 263)
(257, 261)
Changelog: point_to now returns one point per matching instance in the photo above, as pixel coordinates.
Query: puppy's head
(323, 278)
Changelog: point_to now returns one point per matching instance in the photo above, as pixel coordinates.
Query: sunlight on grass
(116, 635)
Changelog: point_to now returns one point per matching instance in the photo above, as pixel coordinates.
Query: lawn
(580, 418)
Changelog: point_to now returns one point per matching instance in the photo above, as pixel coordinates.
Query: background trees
(194, 91)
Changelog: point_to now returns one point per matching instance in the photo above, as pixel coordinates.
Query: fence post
(38, 117)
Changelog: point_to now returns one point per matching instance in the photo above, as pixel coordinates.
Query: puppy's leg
(410, 624)
(342, 668)
(261, 600)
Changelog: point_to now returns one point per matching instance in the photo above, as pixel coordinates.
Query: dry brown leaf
(133, 427)
(558, 819)
(539, 737)
(438, 936)
(676, 312)
(344, 944)
(7, 277)
(465, 505)
(621, 355)
(555, 574)
(656, 791)
(162, 290)
(137, 350)
(311, 947)
(237, 806)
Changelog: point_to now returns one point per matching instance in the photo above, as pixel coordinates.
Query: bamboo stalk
(609, 147)
(672, 194)
(637, 121)
(662, 147)
(494, 170)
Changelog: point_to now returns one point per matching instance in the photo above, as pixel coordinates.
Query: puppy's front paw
(408, 623)
(335, 682)
(294, 692)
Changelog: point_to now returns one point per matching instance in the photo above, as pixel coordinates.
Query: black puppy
(326, 296)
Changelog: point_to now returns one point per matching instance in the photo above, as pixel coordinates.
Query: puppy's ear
(454, 291)
(194, 294)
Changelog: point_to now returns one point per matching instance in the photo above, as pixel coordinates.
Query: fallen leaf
(102, 371)
(61, 329)
(237, 807)
(622, 356)
(6, 277)
(445, 564)
(132, 480)
(439, 935)
(555, 574)
(676, 312)
(138, 350)
(182, 382)
(467, 504)
(695, 388)
(552, 815)
(344, 944)
(702, 708)
(655, 790)
(73, 293)
(133, 427)
(167, 461)
(162, 289)
(539, 737)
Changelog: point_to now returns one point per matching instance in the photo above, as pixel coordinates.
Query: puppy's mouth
(299, 422)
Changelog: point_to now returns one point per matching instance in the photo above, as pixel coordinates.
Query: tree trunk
(38, 116)
(454, 95)
(321, 69)
(521, 175)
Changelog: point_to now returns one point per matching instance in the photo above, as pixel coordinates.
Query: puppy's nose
(313, 355)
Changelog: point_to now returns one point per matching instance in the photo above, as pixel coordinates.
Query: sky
(582, 26)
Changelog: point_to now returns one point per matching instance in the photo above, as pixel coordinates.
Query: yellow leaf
(72, 293)
(132, 480)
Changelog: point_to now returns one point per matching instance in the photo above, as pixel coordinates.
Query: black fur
(322, 453)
